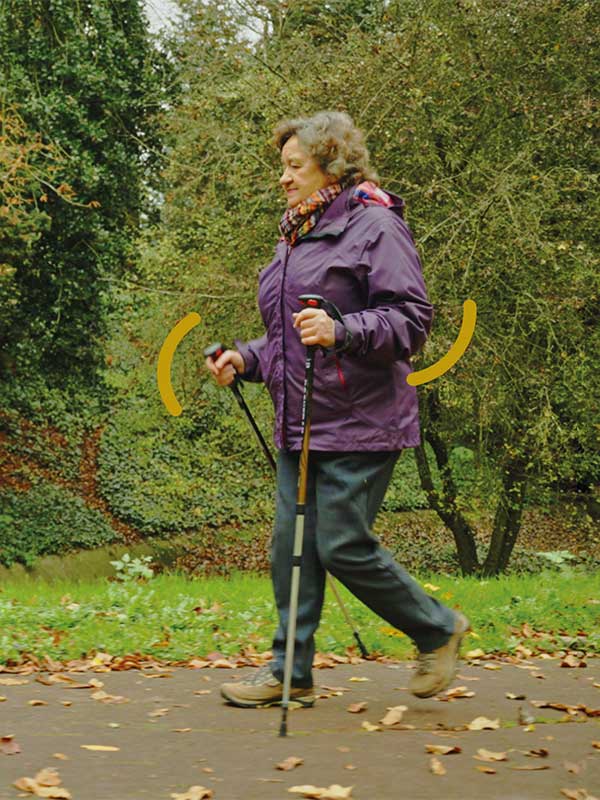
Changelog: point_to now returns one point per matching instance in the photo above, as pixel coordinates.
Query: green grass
(175, 618)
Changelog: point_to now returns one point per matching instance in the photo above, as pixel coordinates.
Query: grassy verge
(174, 618)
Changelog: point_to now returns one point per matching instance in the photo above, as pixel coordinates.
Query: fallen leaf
(478, 653)
(454, 694)
(202, 691)
(349, 766)
(442, 749)
(370, 727)
(431, 587)
(181, 730)
(333, 792)
(490, 755)
(60, 756)
(103, 747)
(436, 766)
(487, 770)
(540, 752)
(290, 763)
(159, 712)
(103, 697)
(193, 793)
(12, 681)
(577, 794)
(359, 680)
(511, 696)
(394, 715)
(596, 745)
(356, 708)
(483, 723)
(572, 661)
(530, 767)
(37, 703)
(8, 746)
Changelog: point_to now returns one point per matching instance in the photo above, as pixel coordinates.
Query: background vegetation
(138, 184)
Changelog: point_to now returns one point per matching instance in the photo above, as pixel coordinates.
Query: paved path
(234, 751)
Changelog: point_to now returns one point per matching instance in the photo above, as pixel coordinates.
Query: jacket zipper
(281, 310)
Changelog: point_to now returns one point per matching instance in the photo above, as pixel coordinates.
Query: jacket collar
(334, 220)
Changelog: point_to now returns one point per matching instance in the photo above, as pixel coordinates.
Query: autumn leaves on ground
(541, 631)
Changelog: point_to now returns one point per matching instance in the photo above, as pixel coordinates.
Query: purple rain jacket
(363, 259)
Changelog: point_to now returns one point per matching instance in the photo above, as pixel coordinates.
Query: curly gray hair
(334, 141)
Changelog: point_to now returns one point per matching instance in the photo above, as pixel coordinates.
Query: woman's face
(301, 173)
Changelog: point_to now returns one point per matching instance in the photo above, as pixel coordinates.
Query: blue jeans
(344, 493)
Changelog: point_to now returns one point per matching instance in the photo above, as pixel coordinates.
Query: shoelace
(426, 662)
(262, 675)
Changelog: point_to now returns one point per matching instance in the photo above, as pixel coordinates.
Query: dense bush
(48, 520)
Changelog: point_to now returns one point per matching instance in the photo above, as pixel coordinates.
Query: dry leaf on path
(37, 703)
(454, 694)
(596, 745)
(490, 755)
(368, 726)
(442, 749)
(483, 723)
(289, 763)
(333, 792)
(193, 793)
(45, 784)
(394, 715)
(103, 747)
(530, 767)
(359, 680)
(577, 794)
(12, 681)
(436, 766)
(356, 708)
(486, 770)
(511, 696)
(8, 746)
(539, 752)
(572, 661)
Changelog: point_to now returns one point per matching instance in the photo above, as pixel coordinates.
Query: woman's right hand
(225, 367)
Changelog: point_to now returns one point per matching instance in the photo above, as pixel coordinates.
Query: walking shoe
(262, 689)
(436, 670)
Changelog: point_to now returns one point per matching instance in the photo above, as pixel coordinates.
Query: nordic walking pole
(309, 365)
(214, 351)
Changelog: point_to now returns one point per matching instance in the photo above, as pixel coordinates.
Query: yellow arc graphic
(165, 358)
(456, 351)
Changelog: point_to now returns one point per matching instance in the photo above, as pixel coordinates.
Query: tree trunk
(507, 520)
(445, 506)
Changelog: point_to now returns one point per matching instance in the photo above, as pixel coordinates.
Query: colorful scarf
(302, 218)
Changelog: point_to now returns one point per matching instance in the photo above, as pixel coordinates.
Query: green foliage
(84, 78)
(48, 520)
(129, 569)
(126, 618)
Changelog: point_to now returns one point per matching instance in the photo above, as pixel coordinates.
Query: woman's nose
(284, 177)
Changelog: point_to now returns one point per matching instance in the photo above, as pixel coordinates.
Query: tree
(86, 78)
(479, 114)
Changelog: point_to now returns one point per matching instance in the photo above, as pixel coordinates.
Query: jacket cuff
(250, 360)
(343, 337)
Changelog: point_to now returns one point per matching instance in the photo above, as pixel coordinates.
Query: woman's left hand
(316, 327)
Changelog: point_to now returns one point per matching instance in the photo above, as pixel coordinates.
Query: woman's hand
(225, 367)
(316, 327)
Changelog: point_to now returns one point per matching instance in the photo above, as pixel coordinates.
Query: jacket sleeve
(251, 353)
(398, 315)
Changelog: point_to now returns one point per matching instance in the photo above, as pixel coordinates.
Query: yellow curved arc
(165, 358)
(456, 351)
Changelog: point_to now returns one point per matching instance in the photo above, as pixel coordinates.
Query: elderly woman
(344, 238)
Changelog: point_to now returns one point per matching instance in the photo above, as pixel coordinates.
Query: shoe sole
(303, 701)
(441, 688)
